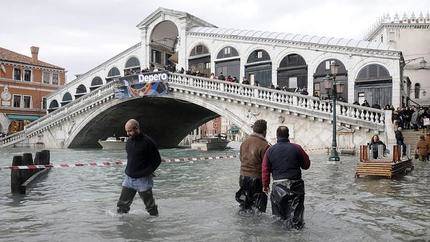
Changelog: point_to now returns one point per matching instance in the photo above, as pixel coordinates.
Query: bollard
(27, 159)
(46, 157)
(15, 175)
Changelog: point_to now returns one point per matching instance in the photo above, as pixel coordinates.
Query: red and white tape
(111, 163)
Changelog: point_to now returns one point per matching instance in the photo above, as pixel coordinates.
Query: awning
(22, 117)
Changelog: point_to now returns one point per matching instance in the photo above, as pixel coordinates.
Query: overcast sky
(80, 34)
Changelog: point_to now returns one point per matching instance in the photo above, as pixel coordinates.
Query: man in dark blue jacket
(143, 159)
(285, 161)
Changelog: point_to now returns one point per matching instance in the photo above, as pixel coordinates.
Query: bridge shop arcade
(173, 39)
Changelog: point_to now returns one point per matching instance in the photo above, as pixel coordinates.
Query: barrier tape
(111, 163)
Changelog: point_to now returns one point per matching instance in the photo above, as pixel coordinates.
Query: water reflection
(196, 202)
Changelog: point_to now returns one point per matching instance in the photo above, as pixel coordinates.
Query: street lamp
(334, 67)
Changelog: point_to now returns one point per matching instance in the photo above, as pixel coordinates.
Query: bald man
(143, 159)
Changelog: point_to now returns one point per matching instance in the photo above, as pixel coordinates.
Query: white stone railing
(288, 101)
(313, 106)
(59, 114)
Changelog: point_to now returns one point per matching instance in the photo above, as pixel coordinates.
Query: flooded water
(196, 203)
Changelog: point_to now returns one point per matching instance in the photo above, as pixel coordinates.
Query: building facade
(411, 35)
(25, 83)
(369, 70)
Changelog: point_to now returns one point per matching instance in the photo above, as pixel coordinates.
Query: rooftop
(11, 56)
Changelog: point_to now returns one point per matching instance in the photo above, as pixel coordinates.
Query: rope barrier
(111, 163)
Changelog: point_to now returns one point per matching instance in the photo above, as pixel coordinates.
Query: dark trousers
(287, 200)
(251, 193)
(127, 196)
(401, 143)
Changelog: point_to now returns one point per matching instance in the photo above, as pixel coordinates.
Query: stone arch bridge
(193, 101)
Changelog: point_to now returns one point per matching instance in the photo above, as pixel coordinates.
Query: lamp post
(334, 156)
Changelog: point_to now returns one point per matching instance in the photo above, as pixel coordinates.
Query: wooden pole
(15, 175)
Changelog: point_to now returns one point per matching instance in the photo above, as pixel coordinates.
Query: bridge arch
(155, 115)
(67, 98)
(163, 42)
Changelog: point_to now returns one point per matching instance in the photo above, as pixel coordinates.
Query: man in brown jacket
(422, 149)
(252, 152)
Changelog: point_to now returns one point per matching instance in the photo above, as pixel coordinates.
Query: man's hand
(266, 189)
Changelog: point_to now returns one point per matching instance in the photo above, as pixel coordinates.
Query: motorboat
(210, 143)
(113, 143)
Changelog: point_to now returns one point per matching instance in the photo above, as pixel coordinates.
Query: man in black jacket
(143, 159)
(285, 161)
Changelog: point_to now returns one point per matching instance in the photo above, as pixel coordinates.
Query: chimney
(34, 53)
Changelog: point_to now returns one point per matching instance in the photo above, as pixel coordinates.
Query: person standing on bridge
(285, 161)
(251, 156)
(143, 159)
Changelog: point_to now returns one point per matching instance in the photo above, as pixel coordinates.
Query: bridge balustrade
(313, 104)
(308, 105)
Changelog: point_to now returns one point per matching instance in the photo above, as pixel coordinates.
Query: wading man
(285, 161)
(251, 157)
(143, 159)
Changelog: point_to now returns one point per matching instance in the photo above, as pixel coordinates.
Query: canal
(196, 203)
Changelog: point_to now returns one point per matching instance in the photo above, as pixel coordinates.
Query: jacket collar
(284, 140)
(258, 136)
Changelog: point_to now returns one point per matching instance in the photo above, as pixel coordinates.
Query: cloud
(81, 34)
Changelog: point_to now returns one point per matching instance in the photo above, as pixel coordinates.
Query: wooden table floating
(388, 167)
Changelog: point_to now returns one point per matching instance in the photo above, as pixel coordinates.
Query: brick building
(24, 84)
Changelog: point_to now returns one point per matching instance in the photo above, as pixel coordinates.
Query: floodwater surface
(196, 203)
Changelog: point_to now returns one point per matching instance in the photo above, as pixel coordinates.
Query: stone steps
(412, 137)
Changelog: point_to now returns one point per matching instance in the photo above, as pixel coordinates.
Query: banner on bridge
(148, 84)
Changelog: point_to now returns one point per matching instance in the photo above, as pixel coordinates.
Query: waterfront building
(411, 35)
(25, 82)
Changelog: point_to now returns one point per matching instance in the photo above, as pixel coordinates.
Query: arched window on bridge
(96, 83)
(293, 73)
(374, 84)
(112, 74)
(132, 66)
(67, 98)
(53, 106)
(321, 89)
(200, 60)
(228, 62)
(417, 90)
(80, 91)
(258, 68)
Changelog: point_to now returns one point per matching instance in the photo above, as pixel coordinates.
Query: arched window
(293, 73)
(228, 63)
(53, 105)
(112, 74)
(200, 61)
(373, 84)
(132, 67)
(67, 97)
(417, 90)
(258, 68)
(80, 91)
(96, 83)
(320, 75)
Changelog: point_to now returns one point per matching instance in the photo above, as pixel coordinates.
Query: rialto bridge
(84, 110)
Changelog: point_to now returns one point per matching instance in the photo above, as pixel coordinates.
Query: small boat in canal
(210, 143)
(113, 143)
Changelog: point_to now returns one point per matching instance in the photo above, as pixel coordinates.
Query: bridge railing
(61, 112)
(370, 116)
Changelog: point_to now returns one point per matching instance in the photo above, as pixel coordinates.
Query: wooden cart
(388, 167)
